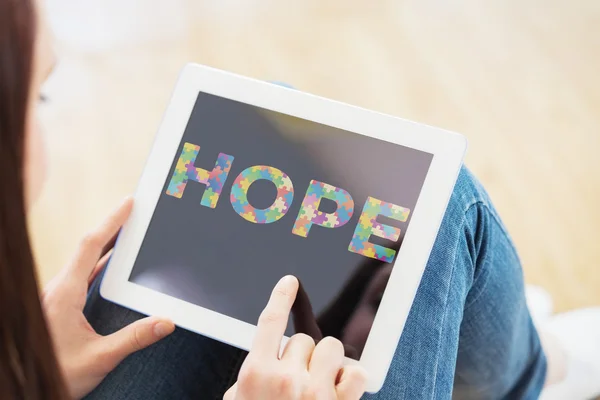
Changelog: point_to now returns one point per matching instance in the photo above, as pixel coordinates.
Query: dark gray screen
(216, 259)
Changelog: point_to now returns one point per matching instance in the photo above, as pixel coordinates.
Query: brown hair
(28, 366)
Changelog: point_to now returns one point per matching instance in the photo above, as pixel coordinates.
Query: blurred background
(518, 77)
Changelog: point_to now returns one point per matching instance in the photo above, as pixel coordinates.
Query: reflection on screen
(253, 195)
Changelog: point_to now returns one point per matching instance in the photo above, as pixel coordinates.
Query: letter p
(310, 215)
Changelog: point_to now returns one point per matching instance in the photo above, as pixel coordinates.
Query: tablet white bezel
(448, 150)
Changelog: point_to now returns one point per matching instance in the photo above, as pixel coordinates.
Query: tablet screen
(253, 195)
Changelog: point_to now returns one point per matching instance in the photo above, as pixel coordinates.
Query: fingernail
(288, 280)
(162, 329)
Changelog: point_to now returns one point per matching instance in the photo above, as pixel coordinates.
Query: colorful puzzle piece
(309, 213)
(309, 210)
(281, 204)
(368, 226)
(185, 171)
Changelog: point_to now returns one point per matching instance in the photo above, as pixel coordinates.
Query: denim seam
(493, 213)
(437, 360)
(483, 206)
(512, 249)
(464, 219)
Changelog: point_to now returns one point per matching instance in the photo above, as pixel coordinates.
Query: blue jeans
(469, 333)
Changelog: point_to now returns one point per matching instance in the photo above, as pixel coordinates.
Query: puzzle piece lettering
(309, 214)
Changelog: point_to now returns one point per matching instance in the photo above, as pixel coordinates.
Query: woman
(469, 332)
(29, 366)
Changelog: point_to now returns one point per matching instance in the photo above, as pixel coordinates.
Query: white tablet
(249, 181)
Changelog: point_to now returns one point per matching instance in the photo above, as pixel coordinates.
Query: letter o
(281, 204)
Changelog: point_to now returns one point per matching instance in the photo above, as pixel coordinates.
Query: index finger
(303, 316)
(274, 319)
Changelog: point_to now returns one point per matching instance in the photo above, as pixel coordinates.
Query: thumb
(136, 336)
(231, 393)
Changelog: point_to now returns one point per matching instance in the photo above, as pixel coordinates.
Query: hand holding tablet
(303, 367)
(249, 181)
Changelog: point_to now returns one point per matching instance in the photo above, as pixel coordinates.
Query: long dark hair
(28, 366)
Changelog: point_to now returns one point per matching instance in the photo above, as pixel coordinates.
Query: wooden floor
(520, 78)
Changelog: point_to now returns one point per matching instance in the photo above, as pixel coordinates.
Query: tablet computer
(248, 181)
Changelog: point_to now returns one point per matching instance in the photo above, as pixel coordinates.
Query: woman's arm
(85, 356)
